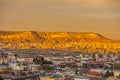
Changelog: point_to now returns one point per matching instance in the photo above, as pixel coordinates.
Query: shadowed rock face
(86, 42)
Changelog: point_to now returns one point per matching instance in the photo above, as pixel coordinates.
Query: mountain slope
(85, 42)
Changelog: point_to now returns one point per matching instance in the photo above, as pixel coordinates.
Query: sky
(100, 16)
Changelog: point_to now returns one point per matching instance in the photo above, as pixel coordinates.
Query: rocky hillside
(85, 42)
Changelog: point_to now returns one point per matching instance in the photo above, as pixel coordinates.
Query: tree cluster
(109, 73)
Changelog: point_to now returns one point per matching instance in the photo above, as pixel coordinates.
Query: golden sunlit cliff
(74, 41)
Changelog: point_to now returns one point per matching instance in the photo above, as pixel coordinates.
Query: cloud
(30, 1)
(86, 3)
(97, 3)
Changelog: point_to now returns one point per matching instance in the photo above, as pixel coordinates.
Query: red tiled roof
(94, 73)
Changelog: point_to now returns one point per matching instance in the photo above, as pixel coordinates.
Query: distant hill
(74, 41)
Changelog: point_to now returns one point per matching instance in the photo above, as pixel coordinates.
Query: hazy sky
(100, 16)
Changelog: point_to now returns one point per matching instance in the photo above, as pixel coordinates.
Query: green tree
(1, 78)
(107, 74)
(112, 73)
(76, 72)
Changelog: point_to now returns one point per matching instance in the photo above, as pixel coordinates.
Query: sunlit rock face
(72, 41)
